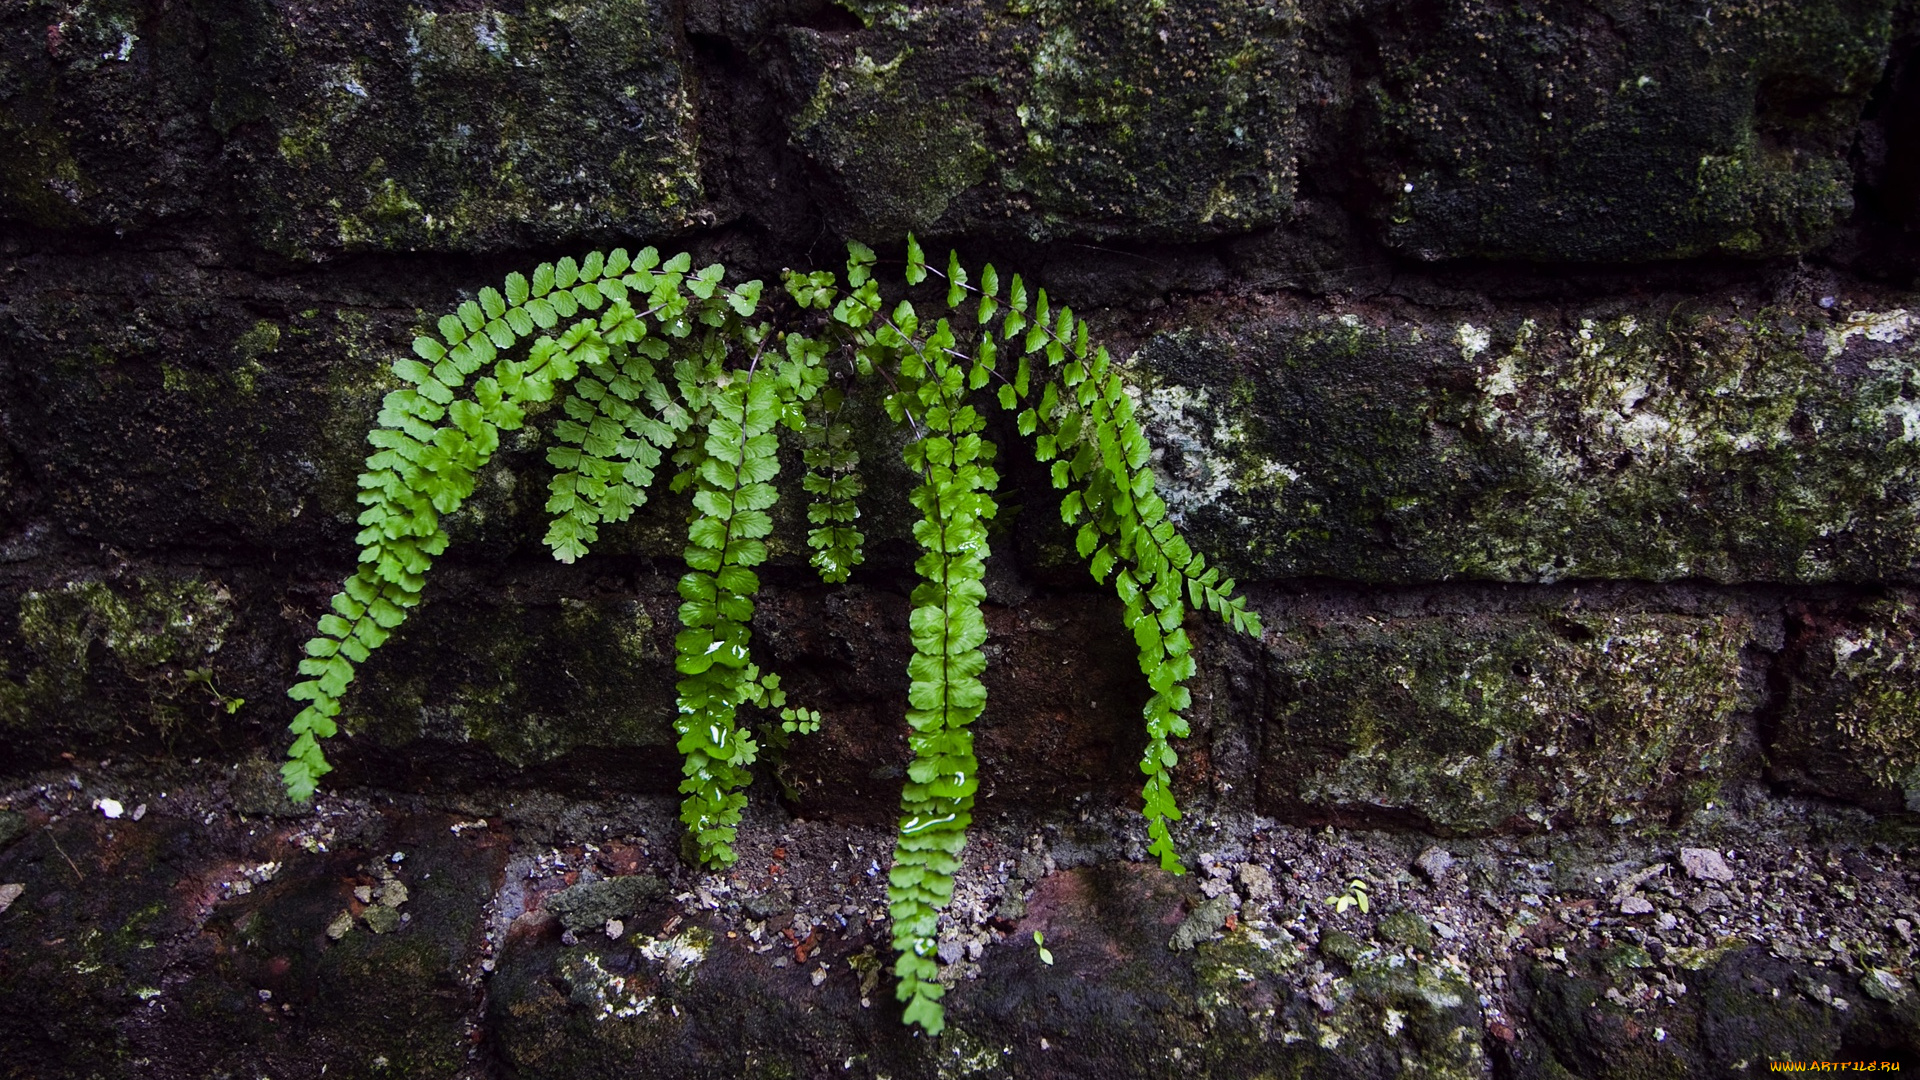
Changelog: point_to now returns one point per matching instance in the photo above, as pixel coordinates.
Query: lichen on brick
(1644, 131)
(1851, 725)
(1056, 117)
(1706, 440)
(456, 130)
(1472, 724)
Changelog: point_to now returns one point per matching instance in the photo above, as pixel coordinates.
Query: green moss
(1406, 928)
(903, 155)
(468, 130)
(1475, 723)
(176, 380)
(154, 633)
(1667, 442)
(1851, 727)
(531, 684)
(260, 340)
(1508, 130)
(1136, 118)
(40, 181)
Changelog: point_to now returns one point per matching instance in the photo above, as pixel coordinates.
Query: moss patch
(1571, 133)
(1474, 723)
(1671, 441)
(531, 684)
(101, 660)
(1056, 117)
(1851, 726)
(471, 129)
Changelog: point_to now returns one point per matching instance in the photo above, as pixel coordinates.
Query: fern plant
(656, 362)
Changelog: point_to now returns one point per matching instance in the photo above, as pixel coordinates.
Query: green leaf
(719, 423)
(956, 280)
(916, 262)
(745, 299)
(860, 258)
(924, 1010)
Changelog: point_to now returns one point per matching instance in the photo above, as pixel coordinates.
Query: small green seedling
(204, 676)
(1355, 896)
(1040, 942)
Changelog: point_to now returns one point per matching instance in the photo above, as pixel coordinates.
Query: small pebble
(1636, 905)
(1434, 863)
(1256, 881)
(340, 926)
(9, 893)
(615, 928)
(109, 807)
(1705, 864)
(1706, 900)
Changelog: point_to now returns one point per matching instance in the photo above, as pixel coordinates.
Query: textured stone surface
(345, 126)
(466, 128)
(1546, 371)
(1055, 118)
(99, 660)
(1470, 723)
(1849, 728)
(175, 947)
(1114, 999)
(1620, 131)
(106, 108)
(1676, 440)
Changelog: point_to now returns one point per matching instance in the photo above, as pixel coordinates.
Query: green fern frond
(646, 357)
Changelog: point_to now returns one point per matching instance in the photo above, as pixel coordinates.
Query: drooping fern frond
(729, 471)
(1085, 427)
(834, 482)
(667, 359)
